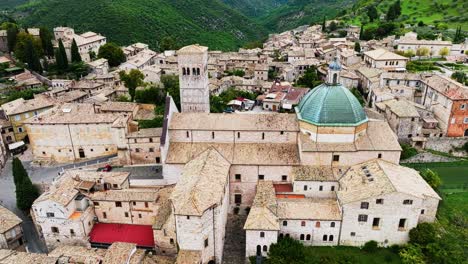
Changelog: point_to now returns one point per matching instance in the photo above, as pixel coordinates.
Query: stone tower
(193, 79)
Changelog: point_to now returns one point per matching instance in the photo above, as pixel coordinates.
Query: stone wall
(445, 144)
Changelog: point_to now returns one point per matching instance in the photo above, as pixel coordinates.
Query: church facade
(326, 175)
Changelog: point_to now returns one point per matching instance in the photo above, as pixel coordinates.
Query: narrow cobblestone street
(234, 246)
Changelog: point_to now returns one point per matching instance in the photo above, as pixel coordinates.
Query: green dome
(331, 105)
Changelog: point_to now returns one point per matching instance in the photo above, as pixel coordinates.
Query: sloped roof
(310, 209)
(192, 49)
(262, 215)
(313, 173)
(8, 220)
(382, 54)
(236, 122)
(331, 105)
(202, 184)
(402, 108)
(378, 177)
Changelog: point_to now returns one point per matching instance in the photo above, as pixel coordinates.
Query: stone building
(403, 118)
(89, 207)
(20, 110)
(448, 100)
(382, 201)
(385, 60)
(11, 232)
(410, 41)
(193, 79)
(88, 42)
(201, 200)
(72, 132)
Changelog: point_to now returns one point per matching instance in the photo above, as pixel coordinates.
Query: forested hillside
(302, 12)
(207, 22)
(11, 3)
(254, 8)
(450, 13)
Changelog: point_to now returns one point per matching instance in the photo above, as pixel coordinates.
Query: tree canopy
(310, 78)
(113, 53)
(132, 80)
(75, 53)
(61, 59)
(26, 192)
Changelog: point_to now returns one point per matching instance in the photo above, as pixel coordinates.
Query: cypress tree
(61, 57)
(361, 33)
(32, 58)
(324, 24)
(26, 192)
(46, 40)
(75, 54)
(12, 33)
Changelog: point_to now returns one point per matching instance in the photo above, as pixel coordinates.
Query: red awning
(142, 235)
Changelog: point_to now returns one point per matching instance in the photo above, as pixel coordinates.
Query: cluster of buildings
(325, 173)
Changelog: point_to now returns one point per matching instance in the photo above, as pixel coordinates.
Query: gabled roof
(378, 177)
(262, 215)
(382, 54)
(202, 184)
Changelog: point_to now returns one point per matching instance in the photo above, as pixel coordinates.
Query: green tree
(150, 95)
(32, 58)
(310, 78)
(324, 24)
(409, 53)
(61, 57)
(361, 32)
(422, 52)
(370, 246)
(168, 43)
(21, 48)
(432, 178)
(333, 26)
(357, 46)
(372, 13)
(286, 251)
(132, 80)
(171, 87)
(423, 234)
(113, 53)
(394, 11)
(26, 192)
(75, 53)
(407, 151)
(12, 33)
(444, 52)
(411, 254)
(459, 76)
(46, 40)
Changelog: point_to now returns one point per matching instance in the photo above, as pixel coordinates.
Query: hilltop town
(181, 156)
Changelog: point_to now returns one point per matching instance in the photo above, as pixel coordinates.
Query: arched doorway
(466, 133)
(211, 262)
(259, 250)
(81, 153)
(335, 78)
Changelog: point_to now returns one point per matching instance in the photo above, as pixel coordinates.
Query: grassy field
(350, 255)
(454, 175)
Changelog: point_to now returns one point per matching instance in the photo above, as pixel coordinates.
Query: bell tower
(193, 79)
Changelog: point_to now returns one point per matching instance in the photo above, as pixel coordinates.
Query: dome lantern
(334, 69)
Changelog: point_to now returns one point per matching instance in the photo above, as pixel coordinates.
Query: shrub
(432, 178)
(407, 151)
(287, 250)
(411, 254)
(370, 246)
(423, 234)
